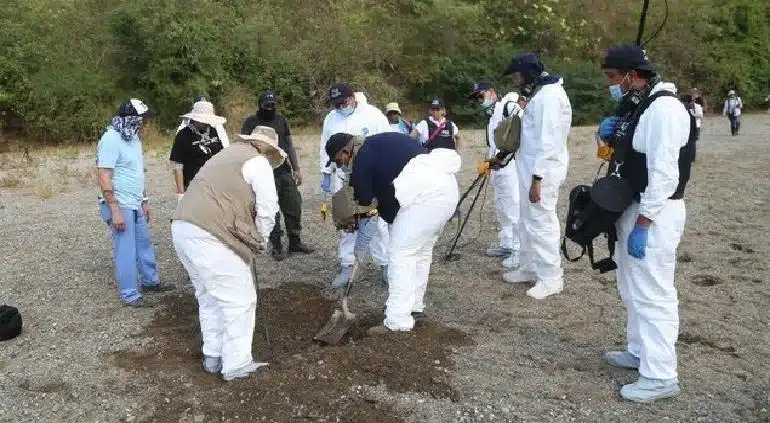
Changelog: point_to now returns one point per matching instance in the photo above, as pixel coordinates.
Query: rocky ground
(490, 354)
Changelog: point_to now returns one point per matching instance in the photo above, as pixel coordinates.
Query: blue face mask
(346, 111)
(616, 92)
(488, 106)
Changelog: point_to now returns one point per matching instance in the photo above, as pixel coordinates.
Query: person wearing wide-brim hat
(220, 225)
(196, 143)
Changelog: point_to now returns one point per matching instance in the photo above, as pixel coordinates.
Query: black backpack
(10, 322)
(593, 210)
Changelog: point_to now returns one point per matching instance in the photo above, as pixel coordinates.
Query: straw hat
(203, 112)
(265, 139)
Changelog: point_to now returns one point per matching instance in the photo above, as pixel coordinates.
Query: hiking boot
(511, 262)
(622, 359)
(155, 289)
(419, 315)
(277, 251)
(297, 246)
(212, 364)
(499, 252)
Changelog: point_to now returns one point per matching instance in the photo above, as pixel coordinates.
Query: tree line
(66, 64)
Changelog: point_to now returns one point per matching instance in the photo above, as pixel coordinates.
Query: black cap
(200, 98)
(135, 107)
(338, 93)
(436, 104)
(526, 63)
(336, 143)
(627, 57)
(267, 100)
(483, 85)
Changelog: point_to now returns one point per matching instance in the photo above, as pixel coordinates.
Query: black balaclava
(266, 114)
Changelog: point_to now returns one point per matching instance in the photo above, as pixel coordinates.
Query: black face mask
(266, 114)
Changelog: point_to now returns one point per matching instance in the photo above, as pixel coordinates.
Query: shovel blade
(335, 329)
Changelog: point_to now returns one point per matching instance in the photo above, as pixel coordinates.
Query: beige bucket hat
(392, 107)
(265, 139)
(203, 112)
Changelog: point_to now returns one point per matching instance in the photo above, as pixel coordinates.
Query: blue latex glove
(637, 241)
(367, 228)
(326, 182)
(607, 127)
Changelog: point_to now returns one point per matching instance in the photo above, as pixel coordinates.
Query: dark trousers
(290, 202)
(735, 123)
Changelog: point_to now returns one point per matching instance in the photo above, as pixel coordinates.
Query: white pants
(227, 299)
(648, 291)
(506, 184)
(541, 231)
(412, 236)
(379, 244)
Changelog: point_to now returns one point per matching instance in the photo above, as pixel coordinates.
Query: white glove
(367, 228)
(179, 197)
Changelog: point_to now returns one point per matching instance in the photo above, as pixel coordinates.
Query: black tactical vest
(444, 139)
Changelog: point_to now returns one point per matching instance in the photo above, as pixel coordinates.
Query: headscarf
(127, 126)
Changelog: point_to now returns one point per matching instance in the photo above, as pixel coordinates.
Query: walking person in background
(120, 168)
(195, 143)
(696, 110)
(287, 178)
(732, 110)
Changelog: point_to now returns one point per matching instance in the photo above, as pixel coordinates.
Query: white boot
(342, 279)
(498, 252)
(649, 390)
(543, 289)
(622, 359)
(519, 276)
(243, 372)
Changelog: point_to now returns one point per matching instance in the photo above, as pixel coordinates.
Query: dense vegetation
(66, 64)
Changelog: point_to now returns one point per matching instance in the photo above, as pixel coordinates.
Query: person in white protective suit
(218, 228)
(649, 231)
(416, 193)
(354, 117)
(541, 162)
(504, 180)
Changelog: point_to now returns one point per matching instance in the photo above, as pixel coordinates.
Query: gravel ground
(490, 354)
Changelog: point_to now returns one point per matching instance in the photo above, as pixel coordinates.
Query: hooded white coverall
(505, 181)
(426, 190)
(647, 285)
(545, 126)
(366, 120)
(220, 128)
(223, 283)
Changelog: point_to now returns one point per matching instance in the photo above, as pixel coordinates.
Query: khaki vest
(220, 201)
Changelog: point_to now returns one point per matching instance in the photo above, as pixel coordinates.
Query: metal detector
(481, 180)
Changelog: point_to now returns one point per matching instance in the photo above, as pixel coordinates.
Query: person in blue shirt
(124, 207)
(416, 193)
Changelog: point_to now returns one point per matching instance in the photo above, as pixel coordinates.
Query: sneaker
(511, 262)
(212, 364)
(542, 290)
(384, 276)
(378, 330)
(298, 247)
(622, 359)
(139, 303)
(342, 279)
(498, 252)
(646, 390)
(160, 287)
(243, 372)
(519, 276)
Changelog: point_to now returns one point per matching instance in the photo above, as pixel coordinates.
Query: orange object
(482, 168)
(324, 211)
(604, 152)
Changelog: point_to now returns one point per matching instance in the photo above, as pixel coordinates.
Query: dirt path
(490, 354)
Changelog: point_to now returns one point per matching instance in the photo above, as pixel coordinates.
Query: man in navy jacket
(416, 194)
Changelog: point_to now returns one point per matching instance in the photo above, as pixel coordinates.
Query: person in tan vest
(220, 225)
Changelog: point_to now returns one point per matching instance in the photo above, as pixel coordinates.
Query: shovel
(342, 319)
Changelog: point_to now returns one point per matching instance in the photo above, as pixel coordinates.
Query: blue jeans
(133, 253)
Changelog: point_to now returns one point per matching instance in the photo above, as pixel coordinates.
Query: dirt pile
(304, 382)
